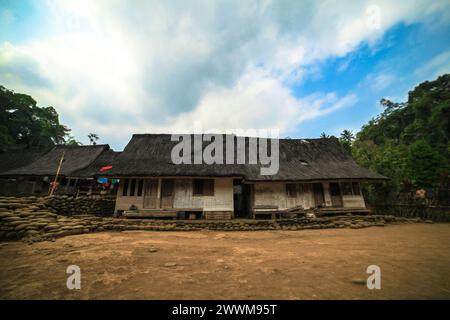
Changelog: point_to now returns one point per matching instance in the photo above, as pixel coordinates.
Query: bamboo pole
(57, 174)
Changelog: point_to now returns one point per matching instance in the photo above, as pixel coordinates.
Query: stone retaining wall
(67, 205)
(31, 219)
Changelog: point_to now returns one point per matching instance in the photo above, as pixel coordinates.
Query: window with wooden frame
(350, 188)
(132, 187)
(294, 190)
(346, 188)
(203, 187)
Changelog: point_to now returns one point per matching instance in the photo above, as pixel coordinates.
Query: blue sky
(401, 52)
(301, 67)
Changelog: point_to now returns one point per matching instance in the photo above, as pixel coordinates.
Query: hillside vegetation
(409, 142)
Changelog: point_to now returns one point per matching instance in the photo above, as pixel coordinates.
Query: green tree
(409, 141)
(72, 142)
(346, 140)
(424, 164)
(23, 122)
(93, 137)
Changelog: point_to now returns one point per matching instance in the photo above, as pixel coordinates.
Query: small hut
(42, 171)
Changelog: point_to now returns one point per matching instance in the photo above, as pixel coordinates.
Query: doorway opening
(150, 193)
(335, 194)
(167, 187)
(241, 199)
(319, 197)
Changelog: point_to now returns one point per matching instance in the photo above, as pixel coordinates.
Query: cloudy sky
(304, 67)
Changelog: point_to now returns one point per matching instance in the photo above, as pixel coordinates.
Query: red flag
(106, 168)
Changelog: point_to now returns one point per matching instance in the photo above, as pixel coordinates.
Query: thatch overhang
(16, 156)
(105, 159)
(75, 158)
(149, 155)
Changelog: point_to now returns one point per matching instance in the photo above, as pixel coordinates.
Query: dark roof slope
(16, 156)
(300, 159)
(75, 158)
(105, 159)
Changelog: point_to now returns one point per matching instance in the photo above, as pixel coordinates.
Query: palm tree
(93, 137)
(346, 139)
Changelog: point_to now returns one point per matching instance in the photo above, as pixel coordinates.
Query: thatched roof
(16, 156)
(300, 160)
(93, 170)
(75, 158)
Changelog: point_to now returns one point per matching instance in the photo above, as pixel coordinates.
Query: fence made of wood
(435, 213)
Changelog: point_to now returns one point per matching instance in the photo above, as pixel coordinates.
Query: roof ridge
(229, 134)
(82, 146)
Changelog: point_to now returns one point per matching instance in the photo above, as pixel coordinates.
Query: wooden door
(319, 198)
(335, 194)
(150, 193)
(167, 187)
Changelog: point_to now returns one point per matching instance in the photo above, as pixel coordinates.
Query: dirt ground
(309, 264)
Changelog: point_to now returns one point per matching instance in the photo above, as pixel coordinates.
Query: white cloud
(115, 68)
(437, 66)
(259, 100)
(380, 80)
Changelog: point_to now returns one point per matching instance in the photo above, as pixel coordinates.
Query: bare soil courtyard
(308, 264)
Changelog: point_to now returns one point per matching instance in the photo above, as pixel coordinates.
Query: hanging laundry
(102, 180)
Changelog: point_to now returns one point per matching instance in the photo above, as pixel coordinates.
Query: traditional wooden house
(313, 173)
(43, 169)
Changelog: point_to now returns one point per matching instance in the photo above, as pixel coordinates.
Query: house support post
(158, 194)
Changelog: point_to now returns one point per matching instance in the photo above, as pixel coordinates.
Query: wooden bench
(265, 210)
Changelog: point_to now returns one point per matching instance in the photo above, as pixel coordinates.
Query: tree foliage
(346, 140)
(409, 141)
(93, 137)
(23, 122)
